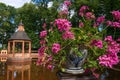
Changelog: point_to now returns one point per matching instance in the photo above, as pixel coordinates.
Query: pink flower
(108, 60)
(81, 14)
(109, 23)
(116, 24)
(95, 25)
(97, 43)
(50, 67)
(39, 62)
(83, 8)
(81, 24)
(113, 24)
(63, 24)
(68, 35)
(41, 50)
(113, 47)
(67, 2)
(116, 15)
(51, 23)
(100, 19)
(94, 73)
(42, 42)
(108, 38)
(64, 12)
(118, 39)
(44, 26)
(111, 57)
(50, 58)
(89, 15)
(55, 48)
(43, 34)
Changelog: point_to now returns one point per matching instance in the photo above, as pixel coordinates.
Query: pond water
(29, 71)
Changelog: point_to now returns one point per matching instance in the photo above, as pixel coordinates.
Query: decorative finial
(21, 23)
(21, 26)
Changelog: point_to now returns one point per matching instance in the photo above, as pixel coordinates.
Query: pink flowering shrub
(110, 58)
(103, 50)
(54, 42)
(57, 41)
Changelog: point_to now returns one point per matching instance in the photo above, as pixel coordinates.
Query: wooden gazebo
(19, 45)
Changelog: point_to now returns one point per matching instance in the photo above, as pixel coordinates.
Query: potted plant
(57, 42)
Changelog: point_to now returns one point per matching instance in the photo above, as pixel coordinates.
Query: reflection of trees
(18, 47)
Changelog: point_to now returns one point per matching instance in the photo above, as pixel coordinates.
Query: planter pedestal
(67, 76)
(75, 71)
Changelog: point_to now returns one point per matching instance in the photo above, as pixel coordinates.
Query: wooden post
(23, 49)
(13, 49)
(29, 48)
(8, 47)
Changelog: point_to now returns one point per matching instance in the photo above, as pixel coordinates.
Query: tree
(7, 27)
(43, 3)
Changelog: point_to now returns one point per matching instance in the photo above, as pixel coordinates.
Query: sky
(15, 3)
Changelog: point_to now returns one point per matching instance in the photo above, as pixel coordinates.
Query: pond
(30, 71)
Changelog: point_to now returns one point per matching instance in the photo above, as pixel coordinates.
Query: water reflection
(29, 71)
(25, 71)
(17, 71)
(41, 73)
(2, 69)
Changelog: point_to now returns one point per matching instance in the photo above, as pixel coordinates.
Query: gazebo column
(23, 49)
(29, 48)
(9, 47)
(13, 48)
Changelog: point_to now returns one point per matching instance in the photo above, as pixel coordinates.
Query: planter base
(67, 76)
(78, 70)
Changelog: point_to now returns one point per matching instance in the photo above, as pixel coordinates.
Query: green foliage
(77, 51)
(7, 27)
(43, 3)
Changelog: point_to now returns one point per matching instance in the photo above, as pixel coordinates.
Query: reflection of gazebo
(18, 71)
(19, 45)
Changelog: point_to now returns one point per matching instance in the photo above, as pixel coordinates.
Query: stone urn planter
(74, 63)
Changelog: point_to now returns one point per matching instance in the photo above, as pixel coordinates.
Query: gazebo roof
(20, 34)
